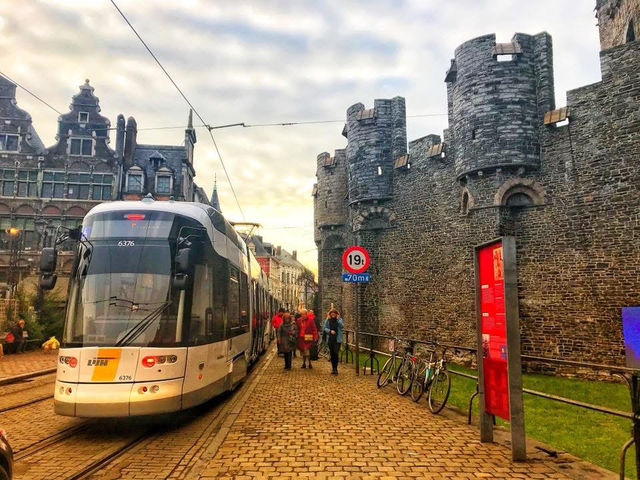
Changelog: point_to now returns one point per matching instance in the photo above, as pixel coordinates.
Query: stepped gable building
(43, 188)
(563, 181)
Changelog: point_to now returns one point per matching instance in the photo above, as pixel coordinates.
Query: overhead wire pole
(205, 124)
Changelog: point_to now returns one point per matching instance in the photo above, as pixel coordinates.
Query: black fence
(630, 376)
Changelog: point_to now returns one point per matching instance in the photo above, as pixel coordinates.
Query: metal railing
(629, 375)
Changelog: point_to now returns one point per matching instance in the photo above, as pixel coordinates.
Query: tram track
(26, 403)
(26, 376)
(99, 464)
(50, 440)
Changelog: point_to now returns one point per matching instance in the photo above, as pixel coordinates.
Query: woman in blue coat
(333, 327)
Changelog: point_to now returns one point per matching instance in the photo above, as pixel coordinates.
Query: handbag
(9, 338)
(308, 337)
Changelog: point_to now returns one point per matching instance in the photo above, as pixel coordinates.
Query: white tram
(166, 309)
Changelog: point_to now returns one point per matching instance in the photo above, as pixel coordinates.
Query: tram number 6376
(126, 243)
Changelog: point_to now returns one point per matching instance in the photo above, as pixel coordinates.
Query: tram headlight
(155, 389)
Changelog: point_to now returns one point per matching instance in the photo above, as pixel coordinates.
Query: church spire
(215, 202)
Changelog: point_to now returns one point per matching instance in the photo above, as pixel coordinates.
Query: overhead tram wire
(276, 124)
(205, 124)
(31, 93)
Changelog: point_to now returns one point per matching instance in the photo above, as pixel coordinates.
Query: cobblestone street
(307, 423)
(21, 363)
(279, 424)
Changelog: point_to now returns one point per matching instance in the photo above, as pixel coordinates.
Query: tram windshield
(121, 290)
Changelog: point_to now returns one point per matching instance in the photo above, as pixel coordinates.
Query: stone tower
(498, 94)
(330, 232)
(618, 22)
(376, 137)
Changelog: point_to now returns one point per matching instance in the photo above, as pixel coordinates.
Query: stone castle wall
(578, 247)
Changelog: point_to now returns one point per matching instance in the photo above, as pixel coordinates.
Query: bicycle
(423, 376)
(323, 349)
(402, 374)
(440, 385)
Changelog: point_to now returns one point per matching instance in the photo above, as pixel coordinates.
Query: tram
(167, 308)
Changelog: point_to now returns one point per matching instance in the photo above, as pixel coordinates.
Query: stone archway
(374, 218)
(516, 191)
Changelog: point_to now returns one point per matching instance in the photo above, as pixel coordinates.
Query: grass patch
(593, 436)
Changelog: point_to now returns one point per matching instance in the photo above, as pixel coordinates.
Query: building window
(102, 184)
(53, 184)
(163, 184)
(135, 182)
(465, 203)
(82, 147)
(8, 182)
(78, 186)
(9, 142)
(27, 183)
(83, 117)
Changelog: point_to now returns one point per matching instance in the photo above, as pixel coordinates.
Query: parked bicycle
(401, 373)
(323, 349)
(433, 378)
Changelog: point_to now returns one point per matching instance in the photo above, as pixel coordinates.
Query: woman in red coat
(307, 334)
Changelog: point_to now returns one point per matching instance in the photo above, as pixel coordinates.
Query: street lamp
(14, 249)
(41, 226)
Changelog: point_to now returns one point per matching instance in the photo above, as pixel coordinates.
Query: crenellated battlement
(565, 186)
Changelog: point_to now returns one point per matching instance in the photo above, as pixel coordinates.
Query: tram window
(244, 304)
(234, 301)
(201, 312)
(220, 280)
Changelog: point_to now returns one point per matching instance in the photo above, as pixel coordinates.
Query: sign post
(356, 260)
(498, 329)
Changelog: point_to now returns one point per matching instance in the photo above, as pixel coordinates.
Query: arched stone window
(518, 199)
(631, 33)
(520, 192)
(466, 202)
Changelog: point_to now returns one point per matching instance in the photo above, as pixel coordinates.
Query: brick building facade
(44, 188)
(508, 164)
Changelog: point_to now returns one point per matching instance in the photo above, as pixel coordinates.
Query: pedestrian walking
(288, 334)
(275, 324)
(307, 334)
(333, 327)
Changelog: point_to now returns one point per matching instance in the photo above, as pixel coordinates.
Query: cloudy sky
(269, 61)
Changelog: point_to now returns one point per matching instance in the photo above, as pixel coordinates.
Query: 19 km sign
(355, 259)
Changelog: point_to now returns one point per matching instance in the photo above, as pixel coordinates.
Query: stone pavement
(309, 424)
(19, 363)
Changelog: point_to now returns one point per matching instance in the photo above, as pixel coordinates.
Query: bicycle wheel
(323, 350)
(417, 386)
(439, 391)
(385, 374)
(405, 376)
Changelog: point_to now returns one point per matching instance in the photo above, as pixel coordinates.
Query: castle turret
(618, 22)
(377, 136)
(331, 189)
(498, 94)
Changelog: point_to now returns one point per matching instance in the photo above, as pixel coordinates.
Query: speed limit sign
(355, 259)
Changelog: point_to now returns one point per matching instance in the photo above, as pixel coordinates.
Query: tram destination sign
(356, 277)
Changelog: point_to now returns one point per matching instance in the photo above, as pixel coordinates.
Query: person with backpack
(333, 328)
